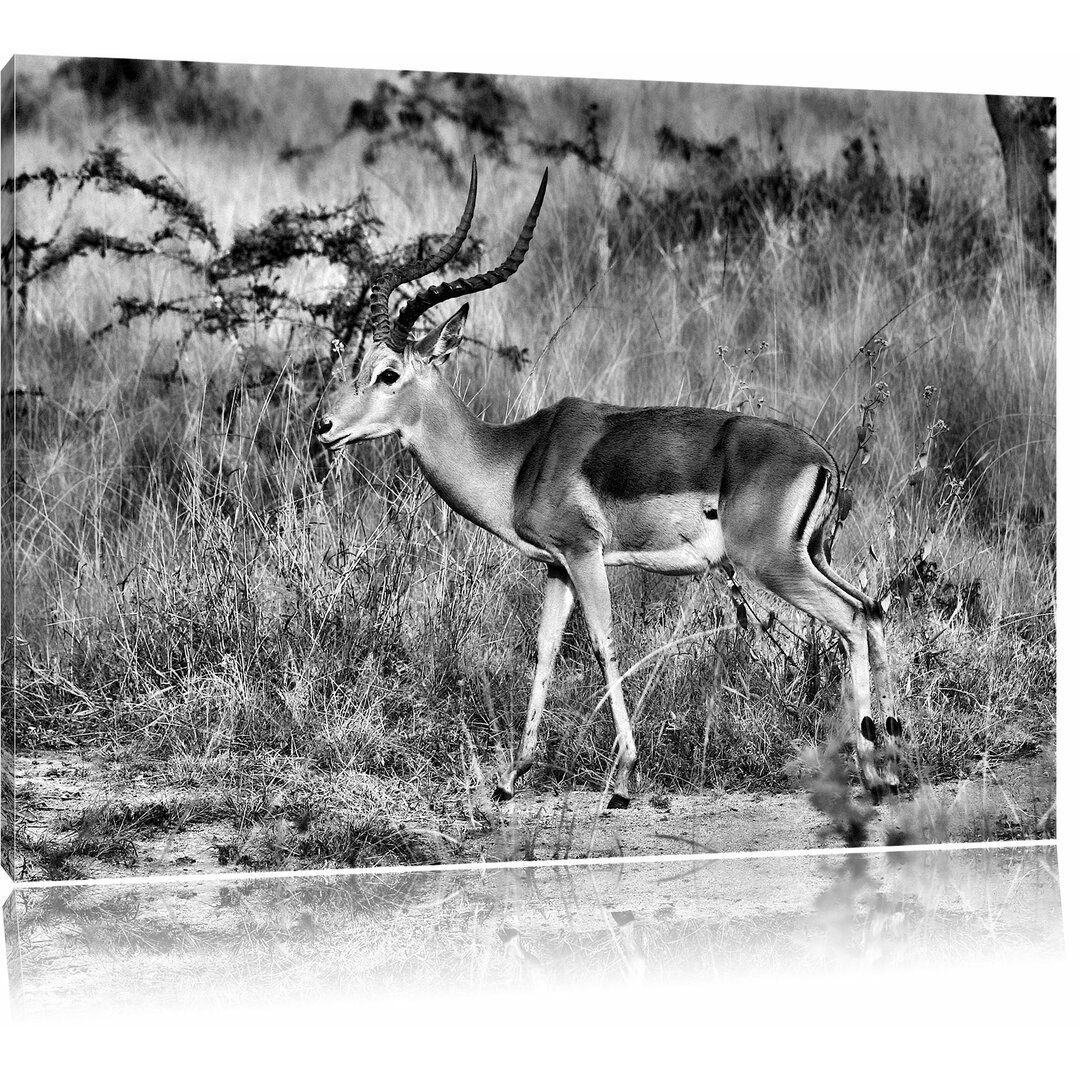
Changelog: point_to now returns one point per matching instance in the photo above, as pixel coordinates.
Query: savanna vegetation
(325, 660)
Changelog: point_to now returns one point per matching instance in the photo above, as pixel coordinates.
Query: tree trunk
(1025, 128)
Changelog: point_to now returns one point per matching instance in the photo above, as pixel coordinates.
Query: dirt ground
(1011, 800)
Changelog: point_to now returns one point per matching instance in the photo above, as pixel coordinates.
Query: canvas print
(441, 468)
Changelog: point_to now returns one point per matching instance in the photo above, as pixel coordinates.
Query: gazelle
(580, 486)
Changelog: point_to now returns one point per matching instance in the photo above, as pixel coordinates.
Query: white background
(989, 1021)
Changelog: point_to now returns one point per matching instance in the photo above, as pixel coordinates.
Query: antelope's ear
(435, 347)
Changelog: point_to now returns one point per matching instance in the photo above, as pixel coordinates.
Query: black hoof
(500, 794)
(890, 780)
(618, 802)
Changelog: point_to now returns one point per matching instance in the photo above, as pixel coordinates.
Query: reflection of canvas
(237, 648)
(355, 937)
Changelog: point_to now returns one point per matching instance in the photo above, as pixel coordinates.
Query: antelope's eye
(387, 377)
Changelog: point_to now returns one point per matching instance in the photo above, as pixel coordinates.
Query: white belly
(669, 535)
(691, 557)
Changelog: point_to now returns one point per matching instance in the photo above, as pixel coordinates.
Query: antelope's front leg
(590, 581)
(558, 602)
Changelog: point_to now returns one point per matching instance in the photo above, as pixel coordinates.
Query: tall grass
(193, 592)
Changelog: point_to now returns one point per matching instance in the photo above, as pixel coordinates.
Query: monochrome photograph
(430, 468)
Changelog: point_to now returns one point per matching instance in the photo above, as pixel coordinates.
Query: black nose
(323, 426)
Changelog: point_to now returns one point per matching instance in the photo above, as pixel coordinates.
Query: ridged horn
(401, 275)
(447, 290)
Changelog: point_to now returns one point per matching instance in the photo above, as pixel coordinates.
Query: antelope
(580, 486)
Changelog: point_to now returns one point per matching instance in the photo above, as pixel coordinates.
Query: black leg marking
(618, 802)
(893, 728)
(501, 794)
(869, 732)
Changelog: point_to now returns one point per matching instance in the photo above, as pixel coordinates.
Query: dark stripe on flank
(819, 486)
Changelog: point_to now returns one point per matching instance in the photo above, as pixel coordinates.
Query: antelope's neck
(472, 465)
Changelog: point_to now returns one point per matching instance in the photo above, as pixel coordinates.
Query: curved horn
(400, 275)
(467, 286)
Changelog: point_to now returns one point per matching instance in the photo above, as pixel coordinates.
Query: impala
(580, 486)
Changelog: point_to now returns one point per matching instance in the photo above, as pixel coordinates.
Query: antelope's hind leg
(797, 577)
(873, 621)
(879, 665)
(558, 602)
